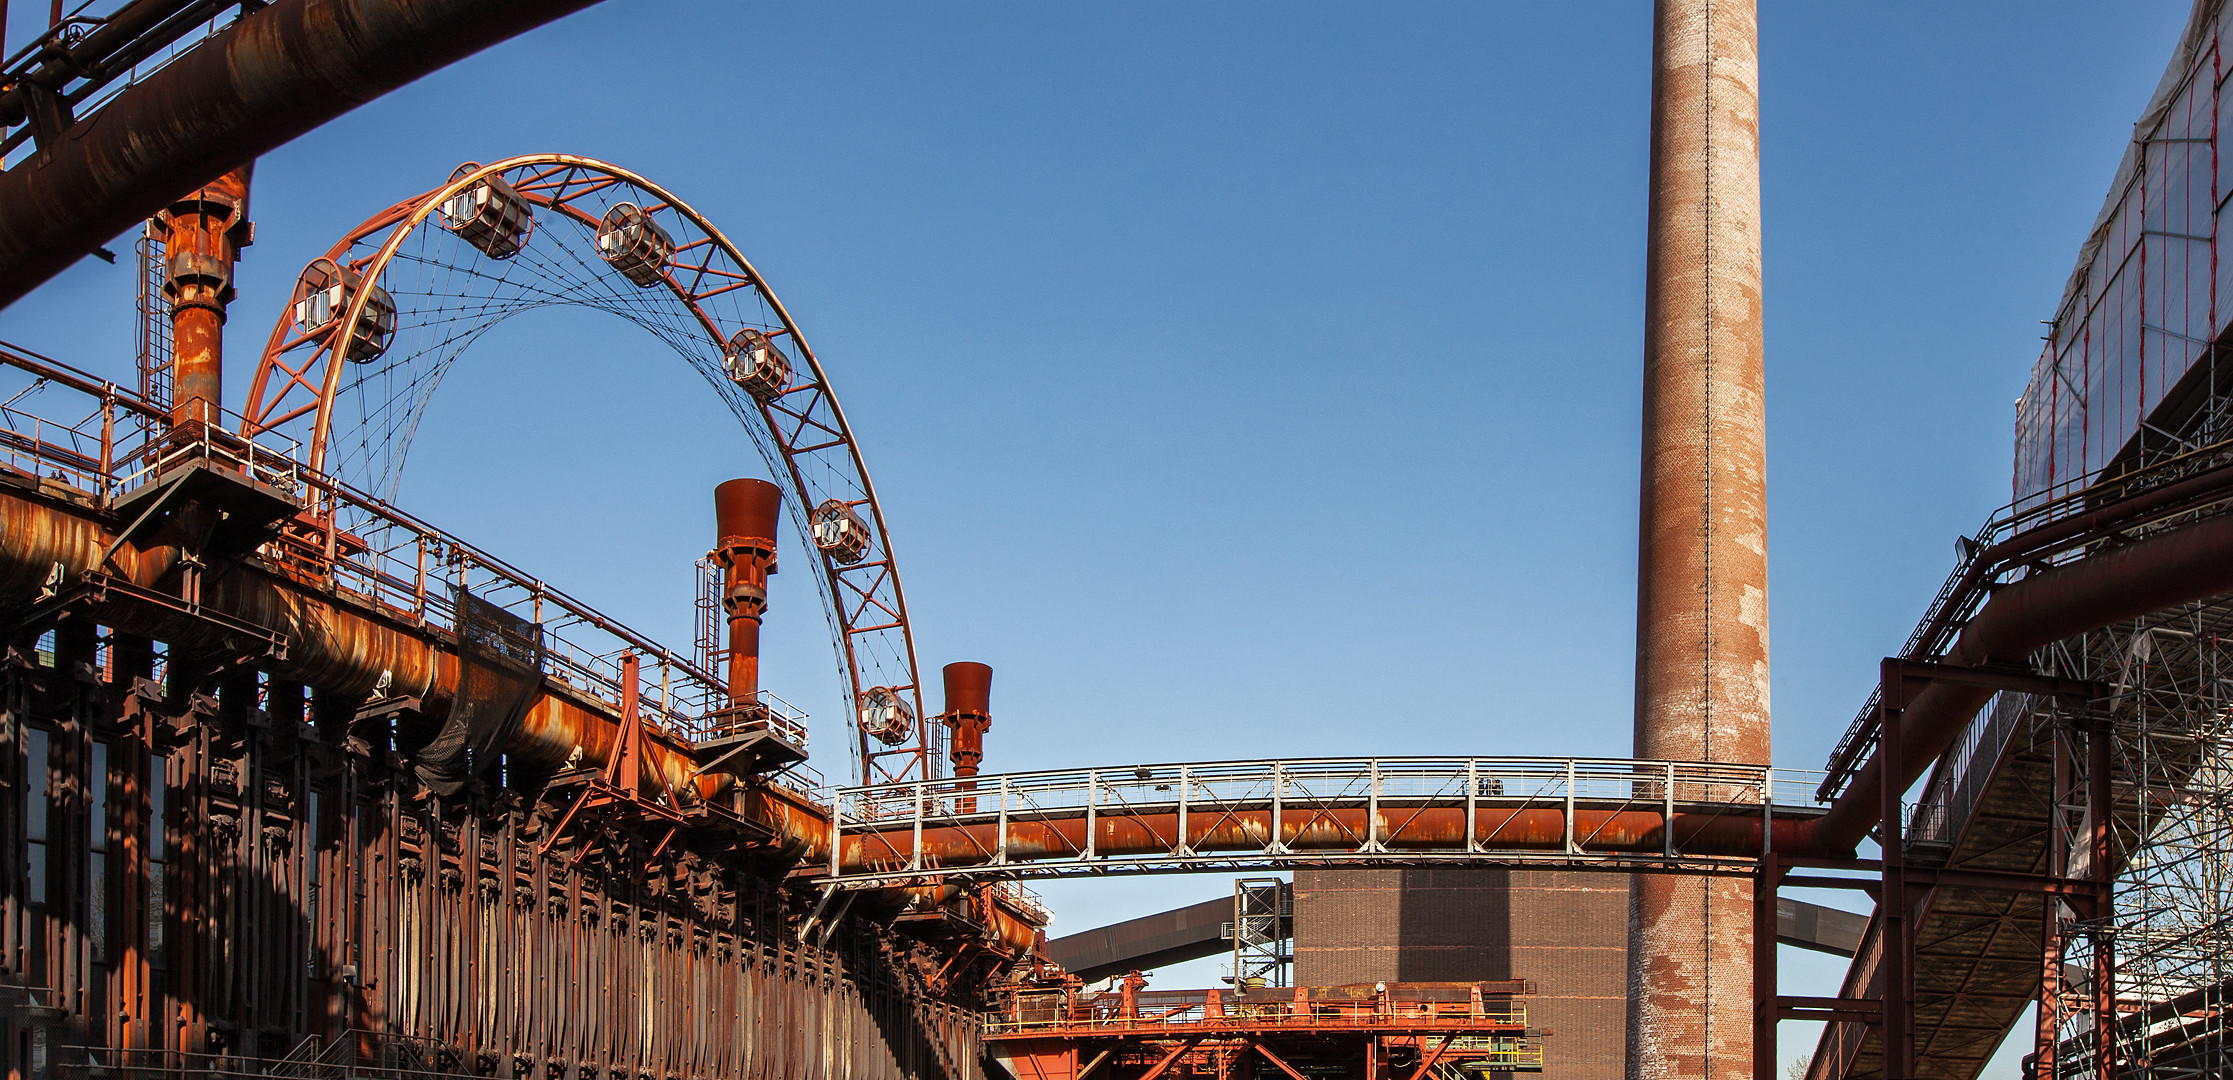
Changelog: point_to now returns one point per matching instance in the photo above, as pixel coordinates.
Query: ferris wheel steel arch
(863, 599)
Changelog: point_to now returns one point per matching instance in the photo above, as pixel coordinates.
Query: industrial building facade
(1565, 933)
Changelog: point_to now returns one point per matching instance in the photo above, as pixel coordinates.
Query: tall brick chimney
(1702, 582)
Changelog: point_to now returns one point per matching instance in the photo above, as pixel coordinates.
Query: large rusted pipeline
(805, 828)
(272, 76)
(1400, 829)
(338, 647)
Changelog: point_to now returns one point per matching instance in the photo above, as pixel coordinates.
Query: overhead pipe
(268, 78)
(1120, 832)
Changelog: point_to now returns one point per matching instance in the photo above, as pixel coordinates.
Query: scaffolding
(1262, 932)
(2168, 934)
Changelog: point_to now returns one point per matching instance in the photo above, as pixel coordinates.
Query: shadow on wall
(1564, 931)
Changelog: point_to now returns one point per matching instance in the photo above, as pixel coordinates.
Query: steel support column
(1764, 1014)
(2101, 867)
(1897, 948)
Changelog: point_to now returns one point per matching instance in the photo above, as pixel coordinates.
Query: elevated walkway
(1977, 951)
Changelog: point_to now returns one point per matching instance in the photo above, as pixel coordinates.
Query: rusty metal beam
(269, 78)
(1146, 943)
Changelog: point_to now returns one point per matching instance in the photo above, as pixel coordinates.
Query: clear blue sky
(1250, 379)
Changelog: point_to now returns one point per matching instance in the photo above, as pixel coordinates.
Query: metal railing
(1959, 778)
(1377, 809)
(1158, 1010)
(343, 541)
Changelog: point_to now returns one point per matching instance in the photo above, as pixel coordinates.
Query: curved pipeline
(270, 77)
(2192, 562)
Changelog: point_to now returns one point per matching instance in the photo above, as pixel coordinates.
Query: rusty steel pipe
(268, 78)
(1148, 831)
(203, 235)
(1011, 929)
(968, 713)
(746, 512)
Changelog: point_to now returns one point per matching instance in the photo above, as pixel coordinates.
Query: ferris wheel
(373, 325)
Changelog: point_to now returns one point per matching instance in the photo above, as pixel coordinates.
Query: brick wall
(1567, 932)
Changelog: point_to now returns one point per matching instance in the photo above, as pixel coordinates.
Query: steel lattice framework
(2169, 936)
(436, 290)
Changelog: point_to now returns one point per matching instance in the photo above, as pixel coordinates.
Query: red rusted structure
(203, 235)
(272, 858)
(295, 775)
(746, 513)
(1398, 1031)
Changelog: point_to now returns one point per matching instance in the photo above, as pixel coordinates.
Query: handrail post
(1472, 795)
(333, 540)
(1372, 810)
(1092, 803)
(1182, 849)
(1767, 811)
(1570, 850)
(915, 857)
(1667, 813)
(1000, 854)
(108, 442)
(1278, 845)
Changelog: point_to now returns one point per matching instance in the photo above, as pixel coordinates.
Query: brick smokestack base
(1565, 931)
